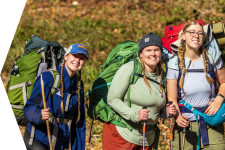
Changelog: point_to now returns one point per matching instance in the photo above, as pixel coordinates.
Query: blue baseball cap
(77, 49)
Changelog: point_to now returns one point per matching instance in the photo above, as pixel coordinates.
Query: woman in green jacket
(142, 93)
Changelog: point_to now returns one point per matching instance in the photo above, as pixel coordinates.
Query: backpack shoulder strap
(150, 79)
(137, 70)
(210, 71)
(56, 82)
(133, 78)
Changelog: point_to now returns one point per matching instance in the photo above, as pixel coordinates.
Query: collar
(67, 84)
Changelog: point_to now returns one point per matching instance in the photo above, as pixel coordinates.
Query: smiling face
(151, 56)
(193, 40)
(74, 62)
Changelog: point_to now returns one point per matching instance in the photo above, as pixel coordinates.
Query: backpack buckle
(40, 50)
(60, 120)
(28, 83)
(119, 119)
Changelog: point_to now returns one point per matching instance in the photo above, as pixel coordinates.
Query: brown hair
(181, 53)
(62, 86)
(78, 99)
(158, 72)
(62, 91)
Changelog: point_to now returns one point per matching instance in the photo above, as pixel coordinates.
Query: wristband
(221, 96)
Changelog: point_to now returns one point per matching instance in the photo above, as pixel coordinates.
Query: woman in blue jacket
(65, 108)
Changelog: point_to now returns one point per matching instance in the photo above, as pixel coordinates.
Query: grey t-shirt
(196, 88)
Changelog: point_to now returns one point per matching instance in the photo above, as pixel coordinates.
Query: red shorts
(112, 140)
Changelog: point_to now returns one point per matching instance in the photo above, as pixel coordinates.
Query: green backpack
(97, 94)
(39, 55)
(98, 108)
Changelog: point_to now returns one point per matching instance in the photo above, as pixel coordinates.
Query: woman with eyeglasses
(196, 88)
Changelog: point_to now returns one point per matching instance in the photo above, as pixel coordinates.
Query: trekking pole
(184, 133)
(47, 122)
(144, 130)
(171, 135)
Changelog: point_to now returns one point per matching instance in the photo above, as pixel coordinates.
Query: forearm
(172, 94)
(222, 89)
(177, 109)
(220, 77)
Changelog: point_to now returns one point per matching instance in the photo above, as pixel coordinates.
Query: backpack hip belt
(203, 127)
(148, 127)
(140, 126)
(56, 121)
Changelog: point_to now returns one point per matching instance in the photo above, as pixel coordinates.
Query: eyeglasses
(193, 33)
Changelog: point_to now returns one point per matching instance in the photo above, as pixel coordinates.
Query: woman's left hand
(214, 106)
(171, 109)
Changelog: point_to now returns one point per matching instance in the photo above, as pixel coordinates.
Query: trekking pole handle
(184, 130)
(144, 108)
(170, 115)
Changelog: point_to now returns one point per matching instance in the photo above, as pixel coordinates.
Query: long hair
(78, 94)
(158, 72)
(62, 91)
(181, 53)
(62, 87)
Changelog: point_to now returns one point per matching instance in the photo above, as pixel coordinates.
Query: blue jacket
(33, 107)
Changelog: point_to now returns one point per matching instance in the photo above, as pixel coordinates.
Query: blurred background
(101, 25)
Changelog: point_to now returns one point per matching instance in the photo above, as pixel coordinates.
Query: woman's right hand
(143, 114)
(171, 109)
(44, 114)
(182, 121)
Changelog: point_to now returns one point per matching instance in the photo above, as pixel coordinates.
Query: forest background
(101, 25)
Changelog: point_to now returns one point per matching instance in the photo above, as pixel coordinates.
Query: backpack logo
(82, 47)
(59, 93)
(223, 114)
(146, 40)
